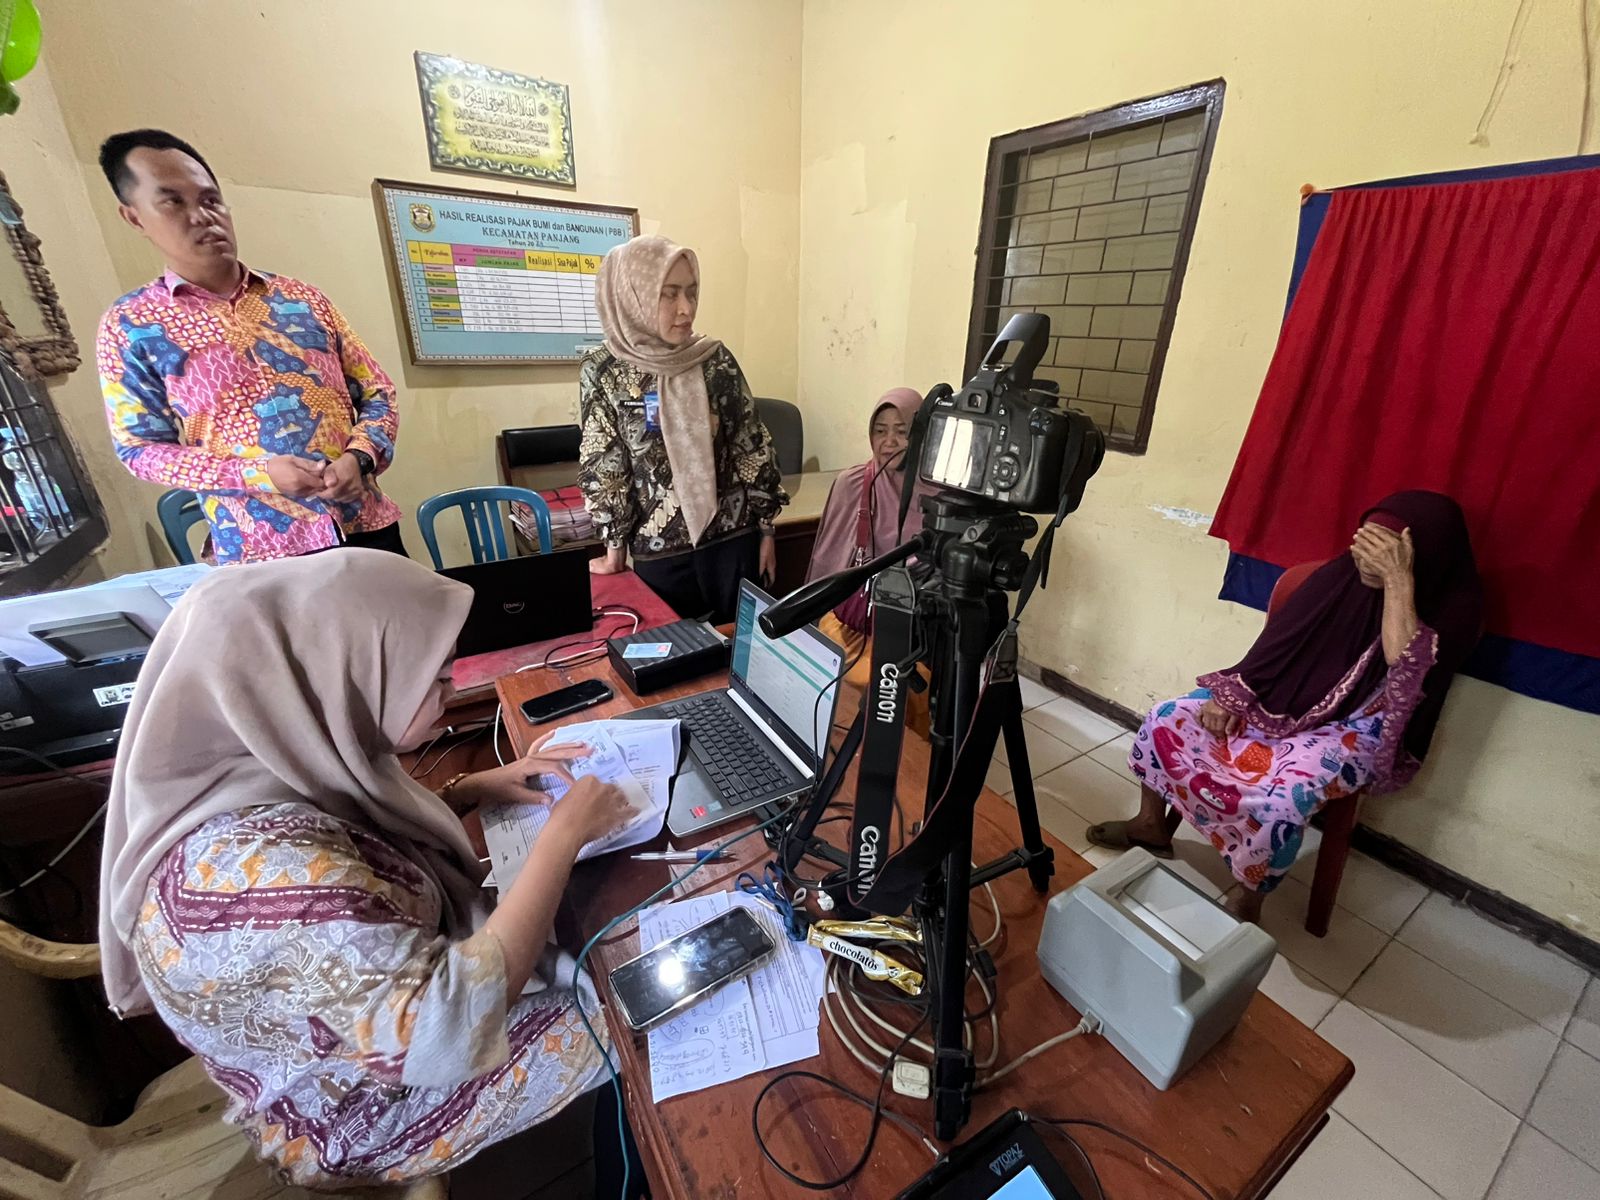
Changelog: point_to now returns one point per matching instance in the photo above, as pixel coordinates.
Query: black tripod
(978, 548)
(955, 617)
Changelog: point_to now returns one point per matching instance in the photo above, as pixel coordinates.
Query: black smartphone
(559, 703)
(689, 967)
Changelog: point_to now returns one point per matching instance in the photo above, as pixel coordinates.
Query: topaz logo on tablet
(1009, 1157)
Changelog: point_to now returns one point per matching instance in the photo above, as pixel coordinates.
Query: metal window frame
(1201, 97)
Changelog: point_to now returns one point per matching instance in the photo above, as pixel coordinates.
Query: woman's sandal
(1113, 835)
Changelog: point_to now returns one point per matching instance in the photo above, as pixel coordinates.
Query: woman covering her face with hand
(675, 465)
(1340, 693)
(307, 918)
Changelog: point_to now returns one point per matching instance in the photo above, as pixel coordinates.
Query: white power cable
(1088, 1025)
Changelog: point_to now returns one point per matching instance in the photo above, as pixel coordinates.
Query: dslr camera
(1005, 437)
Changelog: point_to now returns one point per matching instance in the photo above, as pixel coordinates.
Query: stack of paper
(766, 1019)
(638, 756)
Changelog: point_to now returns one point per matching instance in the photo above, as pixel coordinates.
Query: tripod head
(977, 543)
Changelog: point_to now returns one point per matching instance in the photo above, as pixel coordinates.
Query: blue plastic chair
(486, 527)
(179, 510)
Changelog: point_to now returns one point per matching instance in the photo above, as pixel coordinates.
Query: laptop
(520, 600)
(761, 738)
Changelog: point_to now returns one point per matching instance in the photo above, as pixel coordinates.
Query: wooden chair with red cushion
(1338, 816)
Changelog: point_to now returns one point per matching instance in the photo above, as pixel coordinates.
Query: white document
(767, 1019)
(170, 583)
(787, 991)
(650, 748)
(510, 830)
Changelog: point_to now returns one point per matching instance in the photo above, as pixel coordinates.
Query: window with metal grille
(1088, 221)
(50, 518)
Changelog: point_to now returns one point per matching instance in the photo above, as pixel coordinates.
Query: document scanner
(1165, 970)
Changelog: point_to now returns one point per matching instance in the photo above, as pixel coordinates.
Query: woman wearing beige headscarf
(306, 917)
(675, 464)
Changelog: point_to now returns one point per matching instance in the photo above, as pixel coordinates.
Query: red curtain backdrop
(1445, 337)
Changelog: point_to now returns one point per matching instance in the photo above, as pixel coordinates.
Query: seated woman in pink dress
(1340, 692)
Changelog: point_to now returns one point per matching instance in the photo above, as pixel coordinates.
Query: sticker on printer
(647, 650)
(110, 697)
(11, 721)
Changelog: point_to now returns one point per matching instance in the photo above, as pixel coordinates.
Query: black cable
(875, 1104)
(57, 769)
(1166, 1162)
(621, 611)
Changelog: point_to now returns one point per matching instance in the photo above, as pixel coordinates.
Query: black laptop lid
(521, 600)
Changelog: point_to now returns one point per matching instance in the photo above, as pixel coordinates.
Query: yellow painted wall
(688, 111)
(899, 101)
(36, 156)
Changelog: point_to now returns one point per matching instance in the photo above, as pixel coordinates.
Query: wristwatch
(364, 461)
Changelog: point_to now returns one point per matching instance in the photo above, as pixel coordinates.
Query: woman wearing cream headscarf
(305, 916)
(675, 465)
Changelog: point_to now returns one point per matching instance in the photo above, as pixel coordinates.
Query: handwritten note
(767, 1019)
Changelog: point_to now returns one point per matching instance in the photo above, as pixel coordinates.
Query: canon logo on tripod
(884, 706)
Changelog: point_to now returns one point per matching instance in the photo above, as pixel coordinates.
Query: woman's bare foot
(1245, 905)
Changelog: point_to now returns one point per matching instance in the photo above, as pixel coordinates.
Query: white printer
(1163, 968)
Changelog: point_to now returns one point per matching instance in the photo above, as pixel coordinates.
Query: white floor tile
(1537, 1169)
(1533, 980)
(1342, 1163)
(1114, 754)
(1498, 1050)
(1377, 894)
(1099, 856)
(1090, 790)
(1567, 1107)
(1045, 752)
(1074, 724)
(1305, 996)
(1065, 824)
(1584, 1032)
(1336, 959)
(1439, 1127)
(1034, 693)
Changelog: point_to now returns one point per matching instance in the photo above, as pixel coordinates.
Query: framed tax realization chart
(487, 278)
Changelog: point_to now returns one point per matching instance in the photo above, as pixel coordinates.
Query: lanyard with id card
(652, 412)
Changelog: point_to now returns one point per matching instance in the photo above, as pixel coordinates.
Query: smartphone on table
(565, 701)
(688, 968)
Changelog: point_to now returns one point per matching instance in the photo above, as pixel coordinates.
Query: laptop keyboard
(739, 763)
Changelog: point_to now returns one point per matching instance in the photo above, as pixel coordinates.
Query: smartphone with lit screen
(688, 968)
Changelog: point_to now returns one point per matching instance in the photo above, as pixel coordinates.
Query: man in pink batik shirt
(249, 389)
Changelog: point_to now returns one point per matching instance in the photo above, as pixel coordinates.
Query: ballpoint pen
(716, 854)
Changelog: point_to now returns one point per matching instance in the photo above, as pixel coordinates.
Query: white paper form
(787, 991)
(650, 748)
(778, 1002)
(510, 830)
(718, 1039)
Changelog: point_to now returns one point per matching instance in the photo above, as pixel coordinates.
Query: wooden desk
(1235, 1121)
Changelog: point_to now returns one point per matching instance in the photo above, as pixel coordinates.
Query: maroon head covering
(1320, 656)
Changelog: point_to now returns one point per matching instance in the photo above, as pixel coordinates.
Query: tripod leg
(1041, 861)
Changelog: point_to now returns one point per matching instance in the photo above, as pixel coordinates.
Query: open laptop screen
(787, 674)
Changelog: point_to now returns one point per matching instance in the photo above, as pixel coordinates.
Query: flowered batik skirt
(1252, 795)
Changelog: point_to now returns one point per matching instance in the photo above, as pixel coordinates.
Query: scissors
(769, 890)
